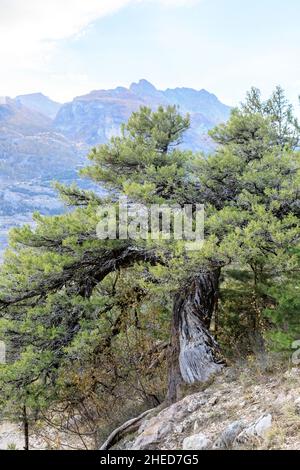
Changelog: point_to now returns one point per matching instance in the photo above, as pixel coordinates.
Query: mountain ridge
(105, 110)
(40, 103)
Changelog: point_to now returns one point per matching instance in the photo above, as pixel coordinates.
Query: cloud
(30, 27)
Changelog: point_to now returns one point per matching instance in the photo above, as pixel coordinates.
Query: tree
(63, 296)
(266, 185)
(147, 166)
(279, 112)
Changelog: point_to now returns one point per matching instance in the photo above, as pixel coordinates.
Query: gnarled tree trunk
(194, 352)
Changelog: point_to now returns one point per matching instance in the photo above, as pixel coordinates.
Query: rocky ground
(239, 410)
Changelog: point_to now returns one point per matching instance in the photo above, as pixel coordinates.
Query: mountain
(42, 140)
(32, 154)
(16, 117)
(40, 103)
(95, 117)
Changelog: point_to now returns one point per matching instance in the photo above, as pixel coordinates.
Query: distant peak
(189, 89)
(142, 86)
(4, 99)
(38, 95)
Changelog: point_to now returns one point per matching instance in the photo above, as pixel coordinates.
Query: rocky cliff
(95, 117)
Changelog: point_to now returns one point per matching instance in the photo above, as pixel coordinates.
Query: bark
(194, 352)
(129, 427)
(26, 429)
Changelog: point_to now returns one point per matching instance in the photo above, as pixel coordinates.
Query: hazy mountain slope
(16, 117)
(31, 156)
(40, 103)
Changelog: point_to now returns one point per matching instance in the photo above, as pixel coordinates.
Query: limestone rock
(196, 442)
(167, 421)
(293, 373)
(257, 430)
(150, 436)
(227, 437)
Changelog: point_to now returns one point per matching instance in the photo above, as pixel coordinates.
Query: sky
(66, 48)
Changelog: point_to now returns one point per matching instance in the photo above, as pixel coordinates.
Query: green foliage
(86, 321)
(285, 312)
(279, 112)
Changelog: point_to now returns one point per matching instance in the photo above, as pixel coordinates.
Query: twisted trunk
(194, 352)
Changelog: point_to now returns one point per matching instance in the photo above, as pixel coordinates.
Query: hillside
(241, 409)
(32, 155)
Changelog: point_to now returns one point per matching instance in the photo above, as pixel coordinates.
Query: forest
(100, 331)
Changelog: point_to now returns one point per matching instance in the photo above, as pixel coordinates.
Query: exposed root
(127, 428)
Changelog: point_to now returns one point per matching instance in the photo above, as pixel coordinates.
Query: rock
(297, 405)
(95, 117)
(39, 103)
(227, 437)
(167, 421)
(258, 429)
(213, 401)
(179, 429)
(196, 426)
(263, 425)
(196, 442)
(150, 436)
(192, 403)
(156, 428)
(11, 436)
(280, 399)
(293, 373)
